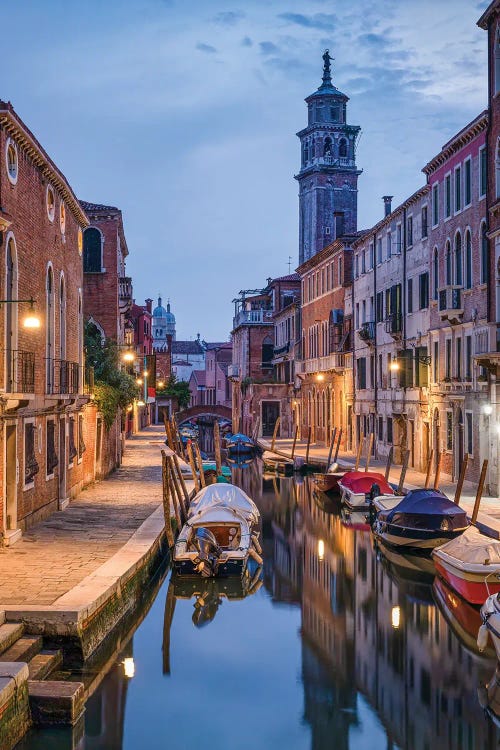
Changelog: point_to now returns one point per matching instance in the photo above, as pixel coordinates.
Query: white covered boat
(220, 533)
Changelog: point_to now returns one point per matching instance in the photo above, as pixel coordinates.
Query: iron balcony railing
(450, 300)
(20, 371)
(367, 331)
(89, 380)
(62, 377)
(252, 317)
(394, 324)
(233, 371)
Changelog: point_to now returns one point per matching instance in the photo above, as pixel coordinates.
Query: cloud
(246, 42)
(378, 41)
(268, 48)
(324, 21)
(228, 17)
(202, 47)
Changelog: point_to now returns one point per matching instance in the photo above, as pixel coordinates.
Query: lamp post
(31, 320)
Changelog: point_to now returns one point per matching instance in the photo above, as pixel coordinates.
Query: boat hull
(327, 482)
(402, 536)
(186, 567)
(469, 584)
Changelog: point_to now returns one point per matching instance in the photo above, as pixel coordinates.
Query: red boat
(356, 487)
(470, 564)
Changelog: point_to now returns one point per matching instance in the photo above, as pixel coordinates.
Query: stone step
(43, 664)
(24, 649)
(9, 633)
(56, 701)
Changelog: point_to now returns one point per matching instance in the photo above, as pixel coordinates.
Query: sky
(183, 113)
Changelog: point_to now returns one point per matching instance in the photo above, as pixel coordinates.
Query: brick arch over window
(92, 250)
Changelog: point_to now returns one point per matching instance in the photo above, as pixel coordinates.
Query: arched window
(447, 257)
(92, 251)
(306, 152)
(458, 259)
(468, 260)
(435, 273)
(62, 319)
(342, 147)
(10, 311)
(267, 352)
(497, 169)
(497, 61)
(327, 149)
(484, 254)
(50, 328)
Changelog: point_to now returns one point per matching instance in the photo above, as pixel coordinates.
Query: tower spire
(327, 73)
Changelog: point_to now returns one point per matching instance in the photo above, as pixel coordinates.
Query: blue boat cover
(239, 438)
(431, 505)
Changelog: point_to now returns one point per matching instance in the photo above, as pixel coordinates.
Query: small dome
(169, 316)
(159, 312)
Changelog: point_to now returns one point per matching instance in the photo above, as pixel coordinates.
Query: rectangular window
(447, 196)
(421, 367)
(389, 430)
(423, 291)
(339, 224)
(71, 441)
(389, 244)
(410, 296)
(380, 307)
(31, 467)
(372, 370)
(406, 368)
(458, 357)
(363, 262)
(379, 250)
(469, 446)
(436, 362)
(356, 266)
(81, 442)
(482, 171)
(425, 229)
(387, 303)
(51, 455)
(362, 373)
(467, 182)
(370, 257)
(409, 230)
(448, 359)
(356, 321)
(449, 430)
(435, 204)
(468, 357)
(380, 429)
(399, 244)
(458, 189)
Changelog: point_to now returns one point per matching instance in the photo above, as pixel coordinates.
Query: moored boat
(220, 533)
(462, 617)
(357, 487)
(422, 519)
(490, 627)
(471, 565)
(239, 443)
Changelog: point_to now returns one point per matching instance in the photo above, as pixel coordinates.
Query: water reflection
(346, 645)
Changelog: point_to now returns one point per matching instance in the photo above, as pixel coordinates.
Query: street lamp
(394, 366)
(128, 356)
(31, 320)
(320, 377)
(488, 410)
(139, 381)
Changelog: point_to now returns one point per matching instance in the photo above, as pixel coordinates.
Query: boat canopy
(426, 509)
(239, 438)
(361, 482)
(226, 495)
(474, 548)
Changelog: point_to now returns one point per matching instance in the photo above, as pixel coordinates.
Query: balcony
(20, 371)
(253, 317)
(89, 381)
(279, 350)
(233, 372)
(367, 332)
(337, 361)
(126, 299)
(62, 377)
(394, 325)
(451, 303)
(335, 161)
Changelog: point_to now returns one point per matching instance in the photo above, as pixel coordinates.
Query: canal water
(338, 647)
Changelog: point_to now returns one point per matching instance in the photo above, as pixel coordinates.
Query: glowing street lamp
(128, 356)
(320, 377)
(321, 549)
(394, 366)
(396, 617)
(128, 666)
(31, 320)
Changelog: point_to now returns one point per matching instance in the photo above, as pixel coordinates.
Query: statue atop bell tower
(328, 178)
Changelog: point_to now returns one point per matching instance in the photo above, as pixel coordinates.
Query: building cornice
(488, 13)
(334, 247)
(461, 139)
(24, 138)
(393, 215)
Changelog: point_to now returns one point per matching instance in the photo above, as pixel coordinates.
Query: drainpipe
(375, 347)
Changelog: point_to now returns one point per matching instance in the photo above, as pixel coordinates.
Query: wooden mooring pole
(309, 431)
(429, 469)
(332, 443)
(168, 432)
(438, 470)
(200, 465)
(166, 500)
(173, 496)
(218, 458)
(360, 448)
(193, 467)
(177, 490)
(275, 432)
(403, 472)
(389, 463)
(182, 484)
(296, 433)
(479, 492)
(461, 479)
(338, 446)
(369, 451)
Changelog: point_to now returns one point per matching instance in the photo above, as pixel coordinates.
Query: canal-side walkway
(58, 554)
(490, 506)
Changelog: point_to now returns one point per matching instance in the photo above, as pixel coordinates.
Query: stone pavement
(490, 506)
(57, 554)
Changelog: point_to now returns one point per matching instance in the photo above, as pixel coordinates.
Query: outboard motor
(374, 492)
(208, 550)
(206, 605)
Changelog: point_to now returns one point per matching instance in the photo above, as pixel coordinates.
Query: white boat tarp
(473, 547)
(226, 495)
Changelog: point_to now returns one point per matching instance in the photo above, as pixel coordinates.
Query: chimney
(149, 305)
(387, 204)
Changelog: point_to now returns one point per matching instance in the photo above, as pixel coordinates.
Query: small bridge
(206, 411)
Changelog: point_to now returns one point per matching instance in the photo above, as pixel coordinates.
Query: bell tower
(328, 177)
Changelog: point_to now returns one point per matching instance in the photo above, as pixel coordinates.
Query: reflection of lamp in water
(128, 666)
(321, 549)
(396, 617)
